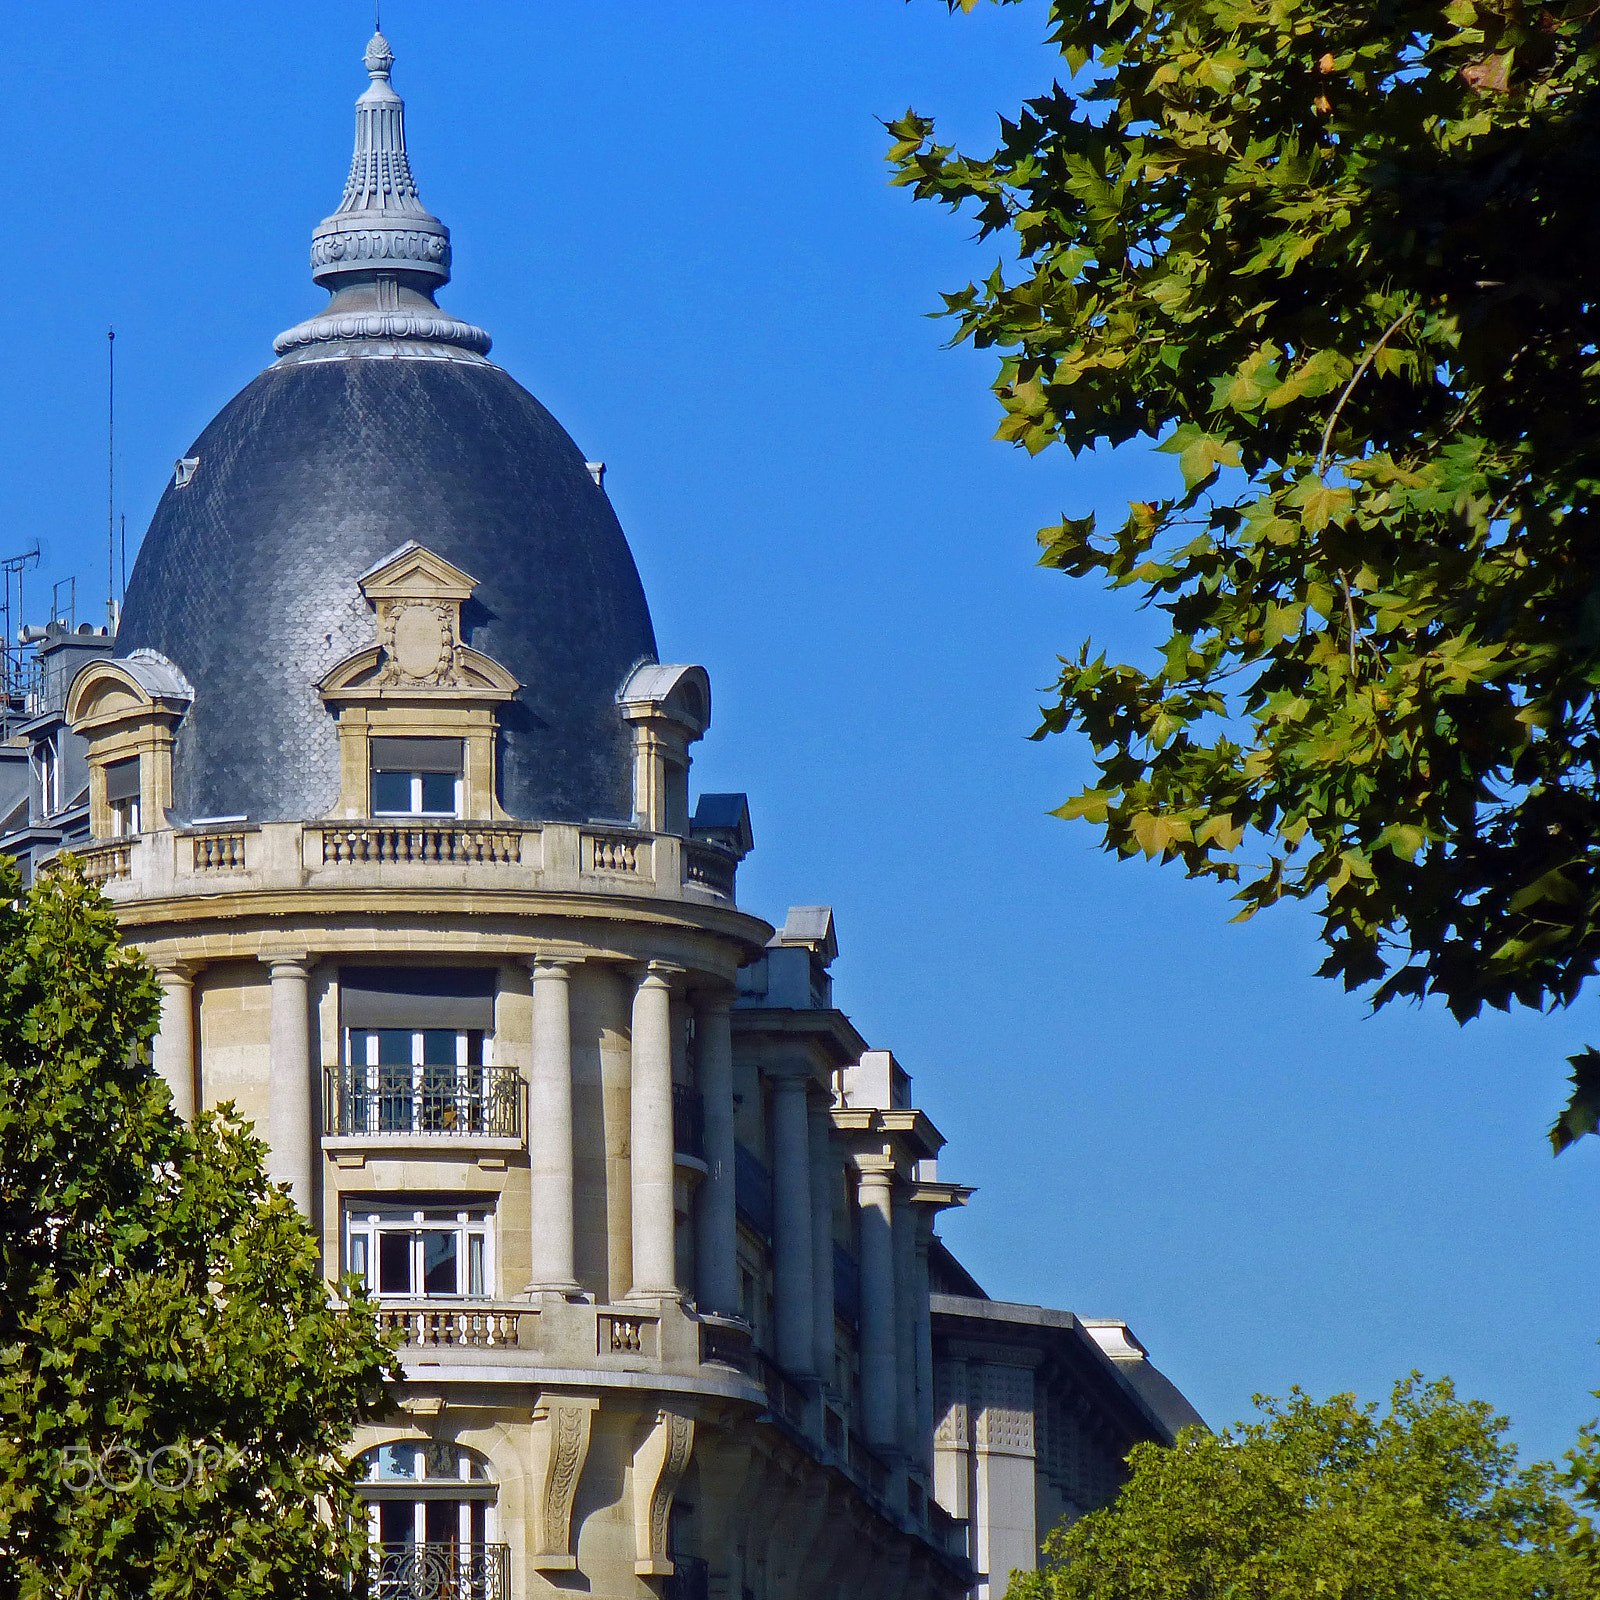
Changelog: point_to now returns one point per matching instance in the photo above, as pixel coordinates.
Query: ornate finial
(381, 254)
(379, 57)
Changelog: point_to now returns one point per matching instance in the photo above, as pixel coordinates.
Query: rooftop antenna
(13, 663)
(111, 478)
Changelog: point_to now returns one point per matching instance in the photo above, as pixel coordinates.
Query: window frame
(470, 1226)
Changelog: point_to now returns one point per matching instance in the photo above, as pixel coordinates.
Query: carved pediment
(372, 674)
(417, 595)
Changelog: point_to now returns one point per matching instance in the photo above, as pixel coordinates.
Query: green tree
(1332, 1500)
(175, 1382)
(1340, 260)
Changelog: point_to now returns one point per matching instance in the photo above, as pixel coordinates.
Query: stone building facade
(385, 780)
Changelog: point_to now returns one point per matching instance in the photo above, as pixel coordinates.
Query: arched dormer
(418, 711)
(669, 707)
(127, 710)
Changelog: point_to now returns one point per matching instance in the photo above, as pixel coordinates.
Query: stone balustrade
(395, 853)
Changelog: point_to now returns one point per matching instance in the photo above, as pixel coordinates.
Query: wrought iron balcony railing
(439, 1572)
(435, 1102)
(690, 1580)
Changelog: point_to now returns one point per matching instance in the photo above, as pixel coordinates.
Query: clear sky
(674, 220)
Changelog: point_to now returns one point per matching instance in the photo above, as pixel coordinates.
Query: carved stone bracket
(561, 1427)
(658, 1464)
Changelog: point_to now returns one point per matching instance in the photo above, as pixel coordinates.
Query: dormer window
(122, 797)
(416, 777)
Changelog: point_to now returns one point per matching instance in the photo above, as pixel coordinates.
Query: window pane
(475, 1264)
(439, 1264)
(439, 1047)
(444, 1522)
(396, 1522)
(391, 791)
(394, 1047)
(439, 792)
(394, 1461)
(394, 1263)
(358, 1255)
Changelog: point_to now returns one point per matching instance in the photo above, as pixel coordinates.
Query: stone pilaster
(824, 1179)
(717, 1240)
(550, 1130)
(650, 1129)
(291, 1136)
(791, 1245)
(879, 1383)
(173, 1051)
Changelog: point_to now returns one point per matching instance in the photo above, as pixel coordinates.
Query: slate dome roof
(383, 423)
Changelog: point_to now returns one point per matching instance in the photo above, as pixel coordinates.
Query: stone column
(290, 1136)
(791, 1223)
(924, 1322)
(650, 1134)
(550, 1130)
(879, 1389)
(173, 1051)
(717, 1240)
(824, 1177)
(905, 1306)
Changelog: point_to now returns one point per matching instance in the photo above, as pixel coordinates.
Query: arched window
(431, 1523)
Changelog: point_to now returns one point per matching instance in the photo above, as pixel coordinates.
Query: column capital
(174, 971)
(716, 1000)
(554, 963)
(659, 974)
(295, 962)
(874, 1172)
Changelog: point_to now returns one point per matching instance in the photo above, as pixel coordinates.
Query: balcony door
(431, 1524)
(416, 1080)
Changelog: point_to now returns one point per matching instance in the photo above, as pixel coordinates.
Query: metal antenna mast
(111, 478)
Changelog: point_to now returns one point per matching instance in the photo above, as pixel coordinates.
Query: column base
(569, 1291)
(655, 1296)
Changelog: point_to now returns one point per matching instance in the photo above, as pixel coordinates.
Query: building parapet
(362, 853)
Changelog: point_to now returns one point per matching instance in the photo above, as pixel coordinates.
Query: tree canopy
(175, 1382)
(1328, 1499)
(1339, 260)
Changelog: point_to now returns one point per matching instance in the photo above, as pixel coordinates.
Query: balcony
(411, 855)
(690, 1580)
(452, 1325)
(786, 1399)
(439, 1572)
(424, 1104)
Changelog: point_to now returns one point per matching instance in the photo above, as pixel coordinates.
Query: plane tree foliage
(177, 1385)
(1341, 263)
(1330, 1499)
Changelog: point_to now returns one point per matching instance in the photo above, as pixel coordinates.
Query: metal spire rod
(111, 479)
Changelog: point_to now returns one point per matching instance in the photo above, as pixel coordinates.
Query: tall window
(122, 797)
(402, 1251)
(431, 1522)
(416, 777)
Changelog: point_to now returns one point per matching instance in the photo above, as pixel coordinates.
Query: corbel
(658, 1464)
(561, 1427)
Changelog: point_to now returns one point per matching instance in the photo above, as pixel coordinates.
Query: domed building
(383, 777)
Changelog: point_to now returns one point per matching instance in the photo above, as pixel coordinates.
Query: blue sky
(674, 221)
